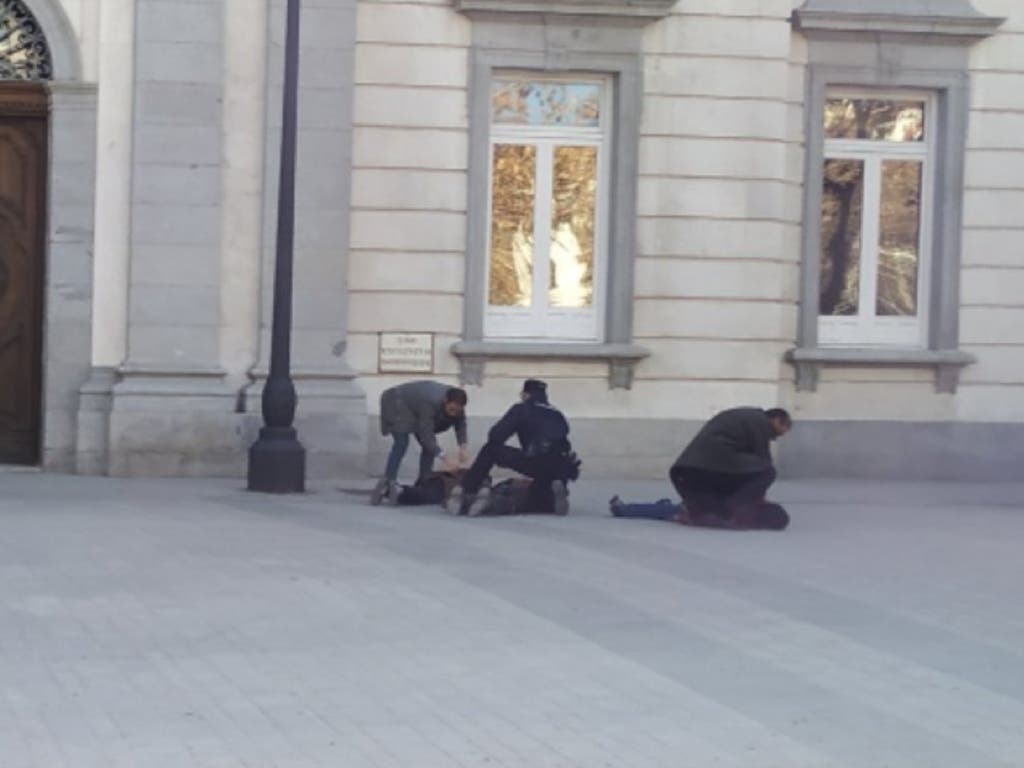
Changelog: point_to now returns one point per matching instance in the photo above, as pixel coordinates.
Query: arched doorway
(25, 64)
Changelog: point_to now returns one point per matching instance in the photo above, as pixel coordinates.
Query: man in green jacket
(724, 474)
(423, 409)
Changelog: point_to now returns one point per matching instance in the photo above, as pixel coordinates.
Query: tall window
(876, 209)
(547, 248)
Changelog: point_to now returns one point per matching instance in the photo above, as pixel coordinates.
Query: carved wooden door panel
(23, 166)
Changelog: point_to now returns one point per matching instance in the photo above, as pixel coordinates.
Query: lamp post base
(277, 462)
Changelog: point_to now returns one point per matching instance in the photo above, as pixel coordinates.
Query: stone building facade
(662, 207)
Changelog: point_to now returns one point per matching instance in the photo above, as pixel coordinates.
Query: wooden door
(23, 166)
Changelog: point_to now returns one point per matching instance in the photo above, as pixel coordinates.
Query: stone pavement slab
(152, 623)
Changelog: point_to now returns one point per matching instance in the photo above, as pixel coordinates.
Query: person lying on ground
(432, 489)
(724, 474)
(767, 516)
(508, 497)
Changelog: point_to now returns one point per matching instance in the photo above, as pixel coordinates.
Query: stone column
(331, 417)
(172, 411)
(245, 77)
(115, 69)
(69, 277)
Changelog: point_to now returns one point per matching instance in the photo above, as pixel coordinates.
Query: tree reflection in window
(874, 119)
(574, 198)
(841, 215)
(899, 238)
(513, 185)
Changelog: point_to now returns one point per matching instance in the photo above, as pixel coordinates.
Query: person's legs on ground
(663, 509)
(509, 497)
(387, 485)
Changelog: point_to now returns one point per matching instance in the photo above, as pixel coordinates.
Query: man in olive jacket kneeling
(724, 474)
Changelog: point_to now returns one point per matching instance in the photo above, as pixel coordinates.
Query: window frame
(569, 325)
(869, 329)
(912, 48)
(556, 43)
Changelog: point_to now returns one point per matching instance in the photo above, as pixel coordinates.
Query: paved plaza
(158, 623)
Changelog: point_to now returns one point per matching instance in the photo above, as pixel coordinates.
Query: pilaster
(69, 298)
(171, 410)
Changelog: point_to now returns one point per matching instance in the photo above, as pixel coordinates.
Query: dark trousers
(664, 509)
(398, 449)
(543, 469)
(738, 499)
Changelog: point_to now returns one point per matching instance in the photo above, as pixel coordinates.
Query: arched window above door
(24, 53)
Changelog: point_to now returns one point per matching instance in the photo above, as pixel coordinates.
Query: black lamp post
(277, 461)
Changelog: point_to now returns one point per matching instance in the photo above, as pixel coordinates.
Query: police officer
(544, 455)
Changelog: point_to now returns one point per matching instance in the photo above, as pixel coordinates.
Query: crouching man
(544, 455)
(724, 474)
(423, 409)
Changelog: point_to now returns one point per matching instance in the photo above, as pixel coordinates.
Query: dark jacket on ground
(418, 408)
(540, 427)
(734, 442)
(432, 489)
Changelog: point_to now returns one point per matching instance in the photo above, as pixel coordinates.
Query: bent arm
(505, 428)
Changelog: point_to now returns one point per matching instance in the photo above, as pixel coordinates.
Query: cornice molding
(636, 10)
(941, 19)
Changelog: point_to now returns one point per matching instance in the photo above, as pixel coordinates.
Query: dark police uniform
(544, 452)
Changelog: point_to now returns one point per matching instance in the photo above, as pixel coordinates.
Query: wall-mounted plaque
(406, 353)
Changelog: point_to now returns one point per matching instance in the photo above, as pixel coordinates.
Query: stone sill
(642, 10)
(946, 362)
(621, 358)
